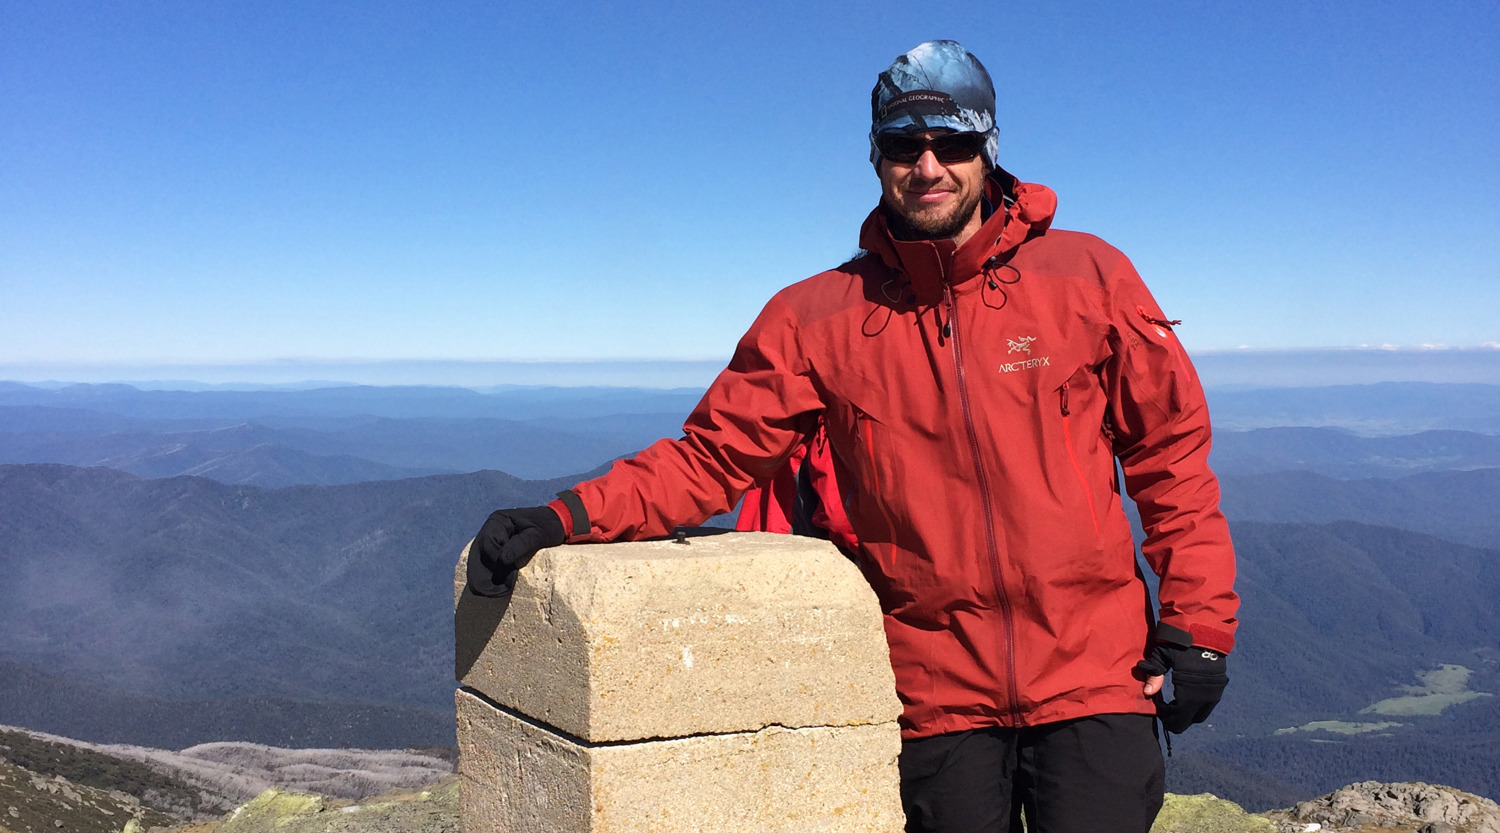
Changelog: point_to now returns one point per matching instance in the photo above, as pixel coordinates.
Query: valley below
(267, 599)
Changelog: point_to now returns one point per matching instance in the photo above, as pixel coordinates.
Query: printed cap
(936, 85)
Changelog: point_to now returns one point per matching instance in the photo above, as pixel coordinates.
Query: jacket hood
(1022, 210)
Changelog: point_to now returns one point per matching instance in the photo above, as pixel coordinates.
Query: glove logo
(1211, 655)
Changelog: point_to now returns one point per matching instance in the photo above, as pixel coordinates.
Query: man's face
(930, 200)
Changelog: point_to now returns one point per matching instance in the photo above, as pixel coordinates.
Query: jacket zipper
(1073, 458)
(951, 329)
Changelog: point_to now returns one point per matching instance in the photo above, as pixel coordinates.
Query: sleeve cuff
(1203, 636)
(575, 517)
(1212, 638)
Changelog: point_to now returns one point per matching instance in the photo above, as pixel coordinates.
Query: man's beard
(927, 226)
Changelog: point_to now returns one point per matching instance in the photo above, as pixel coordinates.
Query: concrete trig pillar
(733, 682)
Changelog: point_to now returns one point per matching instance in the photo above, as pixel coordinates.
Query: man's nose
(928, 167)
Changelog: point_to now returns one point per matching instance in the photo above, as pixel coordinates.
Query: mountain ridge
(169, 602)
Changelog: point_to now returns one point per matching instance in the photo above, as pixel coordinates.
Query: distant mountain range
(1461, 506)
(335, 451)
(341, 435)
(188, 588)
(180, 606)
(1337, 453)
(102, 713)
(1225, 369)
(1381, 408)
(245, 453)
(170, 610)
(336, 435)
(511, 403)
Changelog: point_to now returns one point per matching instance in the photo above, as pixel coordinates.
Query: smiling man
(932, 180)
(929, 198)
(977, 375)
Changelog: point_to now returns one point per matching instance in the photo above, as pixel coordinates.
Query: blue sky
(233, 183)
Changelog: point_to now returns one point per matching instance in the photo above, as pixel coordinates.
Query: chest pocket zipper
(864, 426)
(866, 429)
(1067, 428)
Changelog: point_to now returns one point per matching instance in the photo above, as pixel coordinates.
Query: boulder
(1420, 806)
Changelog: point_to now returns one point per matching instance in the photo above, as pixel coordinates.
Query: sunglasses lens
(899, 148)
(957, 147)
(949, 148)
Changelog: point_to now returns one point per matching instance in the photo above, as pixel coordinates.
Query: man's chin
(935, 223)
(921, 226)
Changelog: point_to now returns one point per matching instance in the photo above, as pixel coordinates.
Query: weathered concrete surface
(519, 777)
(724, 633)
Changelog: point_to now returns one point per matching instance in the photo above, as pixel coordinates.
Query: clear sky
(233, 182)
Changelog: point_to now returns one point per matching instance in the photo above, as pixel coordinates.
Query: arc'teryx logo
(1023, 345)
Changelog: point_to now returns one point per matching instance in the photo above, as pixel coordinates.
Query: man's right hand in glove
(506, 540)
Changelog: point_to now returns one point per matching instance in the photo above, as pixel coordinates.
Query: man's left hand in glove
(1198, 679)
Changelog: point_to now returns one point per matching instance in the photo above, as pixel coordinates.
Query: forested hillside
(176, 610)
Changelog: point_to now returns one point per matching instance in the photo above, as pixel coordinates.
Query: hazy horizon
(1218, 368)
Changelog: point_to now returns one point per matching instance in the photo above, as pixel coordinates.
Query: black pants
(1100, 774)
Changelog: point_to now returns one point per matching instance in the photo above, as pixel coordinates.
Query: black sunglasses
(949, 148)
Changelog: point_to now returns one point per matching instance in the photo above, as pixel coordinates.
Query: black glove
(1198, 681)
(507, 539)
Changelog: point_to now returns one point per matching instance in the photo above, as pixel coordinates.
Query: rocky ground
(1360, 808)
(50, 785)
(1371, 805)
(433, 810)
(34, 803)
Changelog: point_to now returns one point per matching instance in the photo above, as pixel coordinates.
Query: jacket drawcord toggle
(899, 294)
(995, 279)
(1160, 322)
(945, 329)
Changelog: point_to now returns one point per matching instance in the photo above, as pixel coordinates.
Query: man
(978, 375)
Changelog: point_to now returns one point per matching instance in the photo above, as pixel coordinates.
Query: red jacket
(772, 507)
(975, 401)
